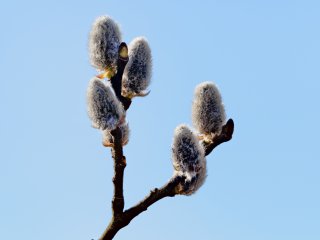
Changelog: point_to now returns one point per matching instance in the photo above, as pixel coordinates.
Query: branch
(123, 219)
(116, 80)
(119, 166)
(117, 152)
(168, 190)
(118, 200)
(224, 136)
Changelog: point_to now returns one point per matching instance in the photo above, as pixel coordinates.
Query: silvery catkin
(104, 108)
(104, 41)
(188, 159)
(137, 74)
(208, 114)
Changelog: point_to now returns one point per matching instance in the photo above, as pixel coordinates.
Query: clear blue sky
(55, 176)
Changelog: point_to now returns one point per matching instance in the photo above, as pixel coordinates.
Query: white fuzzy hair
(188, 158)
(137, 74)
(104, 41)
(208, 114)
(108, 138)
(104, 108)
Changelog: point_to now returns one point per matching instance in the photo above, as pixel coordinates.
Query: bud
(208, 114)
(104, 108)
(104, 41)
(137, 74)
(108, 138)
(188, 160)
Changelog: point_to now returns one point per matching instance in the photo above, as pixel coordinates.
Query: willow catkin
(137, 74)
(104, 41)
(208, 114)
(104, 109)
(188, 159)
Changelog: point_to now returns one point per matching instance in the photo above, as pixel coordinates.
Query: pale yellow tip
(123, 52)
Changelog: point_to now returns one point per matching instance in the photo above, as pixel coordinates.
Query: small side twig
(224, 136)
(168, 190)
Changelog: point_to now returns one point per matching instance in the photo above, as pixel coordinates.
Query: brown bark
(224, 136)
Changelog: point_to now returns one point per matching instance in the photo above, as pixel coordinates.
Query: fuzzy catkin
(108, 138)
(104, 109)
(137, 74)
(208, 114)
(188, 159)
(104, 41)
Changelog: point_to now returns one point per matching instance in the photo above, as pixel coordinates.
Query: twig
(118, 200)
(224, 136)
(119, 166)
(123, 219)
(168, 190)
(116, 80)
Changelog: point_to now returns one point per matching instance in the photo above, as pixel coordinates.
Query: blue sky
(55, 176)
